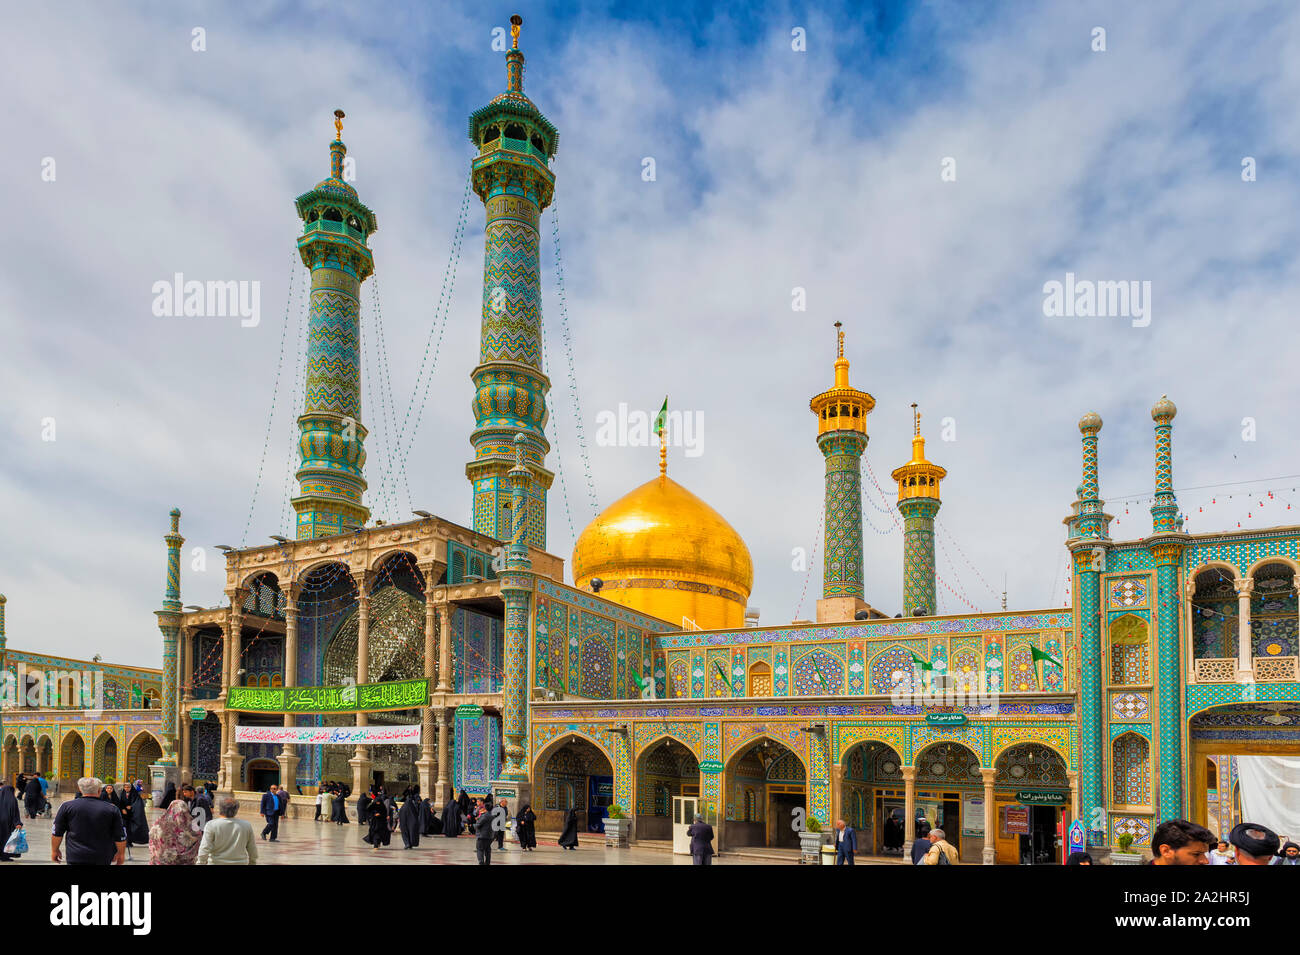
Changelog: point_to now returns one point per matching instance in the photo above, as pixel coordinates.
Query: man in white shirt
(1222, 855)
(227, 840)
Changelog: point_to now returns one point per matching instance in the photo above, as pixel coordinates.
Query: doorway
(784, 806)
(685, 809)
(261, 774)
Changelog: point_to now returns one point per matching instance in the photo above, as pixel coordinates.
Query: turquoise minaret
(1088, 539)
(1166, 552)
(918, 502)
(515, 590)
(842, 437)
(331, 442)
(169, 618)
(512, 175)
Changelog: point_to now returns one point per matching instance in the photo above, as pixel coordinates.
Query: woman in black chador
(569, 837)
(451, 824)
(525, 828)
(376, 814)
(409, 818)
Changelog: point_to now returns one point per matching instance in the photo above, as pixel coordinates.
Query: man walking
(93, 828)
(846, 843)
(1179, 842)
(701, 836)
(1256, 844)
(483, 837)
(270, 810)
(227, 840)
(942, 852)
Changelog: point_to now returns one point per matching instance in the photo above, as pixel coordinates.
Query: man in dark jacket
(846, 843)
(483, 837)
(701, 834)
(270, 810)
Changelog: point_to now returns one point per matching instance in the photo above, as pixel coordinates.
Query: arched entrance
(765, 791)
(665, 769)
(260, 773)
(1256, 746)
(576, 774)
(1030, 796)
(872, 797)
(105, 761)
(396, 651)
(947, 774)
(72, 757)
(142, 753)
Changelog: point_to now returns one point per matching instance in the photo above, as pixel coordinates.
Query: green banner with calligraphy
(362, 698)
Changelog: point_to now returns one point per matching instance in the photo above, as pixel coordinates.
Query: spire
(1164, 512)
(918, 477)
(918, 502)
(1089, 519)
(337, 149)
(515, 58)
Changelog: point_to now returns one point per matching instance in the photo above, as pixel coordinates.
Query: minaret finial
(516, 22)
(338, 123)
(839, 339)
(916, 421)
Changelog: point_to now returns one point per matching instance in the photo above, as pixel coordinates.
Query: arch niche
(572, 773)
(764, 790)
(666, 768)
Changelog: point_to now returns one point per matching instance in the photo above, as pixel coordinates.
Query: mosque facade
(643, 684)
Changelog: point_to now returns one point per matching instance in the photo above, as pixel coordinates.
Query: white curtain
(1270, 793)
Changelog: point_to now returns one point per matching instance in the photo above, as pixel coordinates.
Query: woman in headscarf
(376, 814)
(525, 828)
(409, 818)
(33, 800)
(172, 840)
(451, 824)
(133, 815)
(340, 813)
(10, 817)
(465, 804)
(432, 824)
(169, 795)
(569, 837)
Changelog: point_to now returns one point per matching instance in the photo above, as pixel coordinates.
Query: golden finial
(839, 336)
(663, 453)
(916, 420)
(338, 124)
(515, 23)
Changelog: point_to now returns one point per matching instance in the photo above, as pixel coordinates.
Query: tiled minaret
(169, 624)
(1088, 540)
(918, 500)
(1166, 552)
(512, 175)
(842, 437)
(331, 442)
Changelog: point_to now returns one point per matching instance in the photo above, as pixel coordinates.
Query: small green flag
(922, 662)
(636, 678)
(821, 677)
(1037, 654)
(722, 673)
(661, 419)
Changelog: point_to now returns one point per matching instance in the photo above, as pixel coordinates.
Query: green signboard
(198, 713)
(1037, 797)
(361, 698)
(711, 766)
(945, 719)
(469, 711)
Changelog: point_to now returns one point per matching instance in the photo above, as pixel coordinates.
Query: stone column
(1245, 661)
(445, 745)
(989, 854)
(1074, 795)
(288, 758)
(909, 810)
(360, 761)
(231, 760)
(838, 809)
(427, 764)
(445, 679)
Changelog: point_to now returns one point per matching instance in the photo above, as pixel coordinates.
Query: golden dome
(662, 551)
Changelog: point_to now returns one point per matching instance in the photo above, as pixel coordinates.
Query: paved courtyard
(305, 842)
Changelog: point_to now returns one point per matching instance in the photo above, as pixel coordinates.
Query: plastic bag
(17, 843)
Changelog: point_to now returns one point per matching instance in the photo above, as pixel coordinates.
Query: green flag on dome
(661, 419)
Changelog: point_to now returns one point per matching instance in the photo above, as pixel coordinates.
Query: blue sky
(776, 170)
